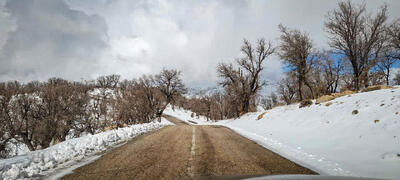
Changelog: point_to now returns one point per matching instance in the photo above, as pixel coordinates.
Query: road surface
(188, 152)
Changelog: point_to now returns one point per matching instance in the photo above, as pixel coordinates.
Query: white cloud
(81, 39)
(49, 39)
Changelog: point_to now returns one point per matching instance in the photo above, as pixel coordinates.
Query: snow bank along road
(187, 152)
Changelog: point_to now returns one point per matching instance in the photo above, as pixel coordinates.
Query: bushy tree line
(39, 114)
(364, 47)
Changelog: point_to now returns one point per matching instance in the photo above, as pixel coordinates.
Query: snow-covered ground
(39, 163)
(185, 115)
(330, 139)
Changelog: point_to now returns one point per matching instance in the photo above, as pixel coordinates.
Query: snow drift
(41, 162)
(328, 137)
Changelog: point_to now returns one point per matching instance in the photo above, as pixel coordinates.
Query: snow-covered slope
(42, 162)
(331, 139)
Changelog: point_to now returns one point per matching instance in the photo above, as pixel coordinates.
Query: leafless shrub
(331, 71)
(110, 81)
(287, 90)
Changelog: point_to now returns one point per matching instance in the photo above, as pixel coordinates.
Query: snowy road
(187, 152)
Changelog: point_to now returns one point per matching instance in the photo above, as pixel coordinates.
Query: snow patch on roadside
(42, 162)
(330, 139)
(302, 158)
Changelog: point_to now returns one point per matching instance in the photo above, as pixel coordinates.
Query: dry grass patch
(333, 96)
(344, 93)
(328, 104)
(376, 87)
(305, 103)
(261, 115)
(323, 99)
(108, 128)
(376, 121)
(347, 92)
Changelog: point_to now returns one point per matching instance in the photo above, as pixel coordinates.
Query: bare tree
(287, 90)
(25, 118)
(218, 106)
(273, 98)
(377, 77)
(244, 83)
(109, 81)
(331, 71)
(235, 85)
(84, 106)
(54, 111)
(269, 102)
(153, 101)
(357, 35)
(296, 50)
(384, 65)
(7, 127)
(394, 38)
(390, 53)
(101, 81)
(113, 80)
(170, 84)
(136, 102)
(265, 103)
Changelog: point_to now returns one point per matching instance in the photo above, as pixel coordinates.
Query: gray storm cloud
(49, 39)
(77, 39)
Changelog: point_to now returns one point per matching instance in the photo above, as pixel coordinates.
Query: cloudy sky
(82, 39)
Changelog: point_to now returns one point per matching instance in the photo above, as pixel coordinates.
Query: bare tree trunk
(356, 81)
(387, 76)
(309, 86)
(300, 86)
(246, 105)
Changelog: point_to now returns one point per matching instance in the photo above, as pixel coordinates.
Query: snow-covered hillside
(42, 162)
(330, 139)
